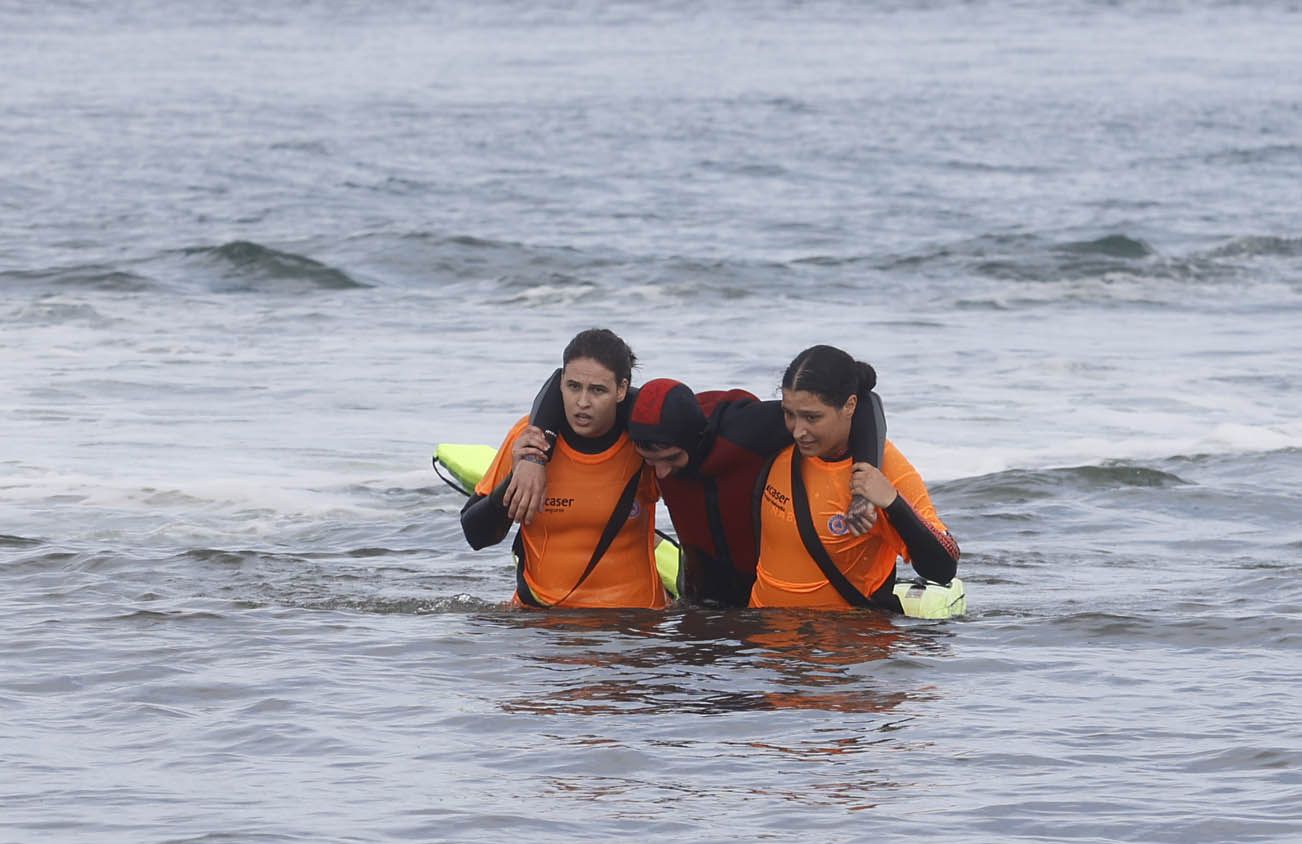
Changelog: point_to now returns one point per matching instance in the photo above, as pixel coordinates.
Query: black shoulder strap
(814, 545)
(757, 497)
(623, 508)
(522, 590)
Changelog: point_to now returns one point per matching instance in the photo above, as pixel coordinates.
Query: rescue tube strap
(623, 508)
(526, 595)
(757, 500)
(447, 480)
(884, 597)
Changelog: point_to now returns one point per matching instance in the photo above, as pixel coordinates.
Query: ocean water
(257, 260)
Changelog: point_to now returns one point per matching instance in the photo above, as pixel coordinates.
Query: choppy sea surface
(257, 259)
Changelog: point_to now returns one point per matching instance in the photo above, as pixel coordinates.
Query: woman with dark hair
(809, 556)
(591, 545)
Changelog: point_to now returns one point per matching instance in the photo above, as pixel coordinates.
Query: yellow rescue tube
(466, 463)
(926, 599)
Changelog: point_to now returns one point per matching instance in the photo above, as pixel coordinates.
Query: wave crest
(1260, 246)
(245, 266)
(87, 277)
(1112, 246)
(1046, 483)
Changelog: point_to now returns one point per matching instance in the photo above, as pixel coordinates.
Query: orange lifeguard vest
(787, 575)
(582, 491)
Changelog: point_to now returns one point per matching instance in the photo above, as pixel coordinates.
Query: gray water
(256, 261)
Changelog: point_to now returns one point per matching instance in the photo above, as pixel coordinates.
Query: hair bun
(867, 376)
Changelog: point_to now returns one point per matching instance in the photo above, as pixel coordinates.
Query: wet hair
(830, 374)
(606, 348)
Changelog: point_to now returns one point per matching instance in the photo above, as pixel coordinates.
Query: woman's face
(590, 394)
(819, 429)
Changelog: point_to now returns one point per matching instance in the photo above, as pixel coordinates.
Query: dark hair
(830, 374)
(606, 348)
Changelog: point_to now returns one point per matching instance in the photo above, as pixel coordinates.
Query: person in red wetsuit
(708, 450)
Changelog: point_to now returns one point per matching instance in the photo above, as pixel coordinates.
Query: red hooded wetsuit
(709, 501)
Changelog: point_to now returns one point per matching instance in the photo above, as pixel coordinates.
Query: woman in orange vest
(809, 556)
(592, 543)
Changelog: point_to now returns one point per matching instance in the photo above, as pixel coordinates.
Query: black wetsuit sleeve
(756, 426)
(759, 427)
(868, 431)
(484, 520)
(548, 411)
(934, 554)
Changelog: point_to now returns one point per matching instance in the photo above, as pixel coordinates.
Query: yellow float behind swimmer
(920, 599)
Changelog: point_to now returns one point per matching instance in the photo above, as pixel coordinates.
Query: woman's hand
(867, 480)
(528, 487)
(869, 489)
(861, 516)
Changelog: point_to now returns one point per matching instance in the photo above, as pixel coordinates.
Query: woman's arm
(484, 519)
(907, 506)
(934, 552)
